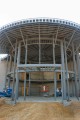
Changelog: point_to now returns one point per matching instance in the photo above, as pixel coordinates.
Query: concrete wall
(36, 88)
(41, 76)
(2, 74)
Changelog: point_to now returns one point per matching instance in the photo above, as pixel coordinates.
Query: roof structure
(45, 29)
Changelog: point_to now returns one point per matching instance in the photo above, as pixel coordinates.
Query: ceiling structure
(39, 31)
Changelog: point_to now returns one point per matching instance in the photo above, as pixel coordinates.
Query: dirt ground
(39, 111)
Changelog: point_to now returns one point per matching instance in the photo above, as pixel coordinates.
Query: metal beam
(29, 84)
(9, 40)
(8, 82)
(17, 74)
(78, 66)
(62, 84)
(70, 39)
(6, 72)
(63, 71)
(22, 37)
(39, 65)
(66, 66)
(25, 72)
(74, 64)
(39, 46)
(57, 34)
(54, 71)
(25, 86)
(19, 52)
(26, 53)
(10, 65)
(16, 86)
(77, 48)
(14, 68)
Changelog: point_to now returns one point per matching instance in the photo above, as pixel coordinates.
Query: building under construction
(43, 56)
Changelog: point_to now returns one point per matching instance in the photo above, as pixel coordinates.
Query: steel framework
(42, 44)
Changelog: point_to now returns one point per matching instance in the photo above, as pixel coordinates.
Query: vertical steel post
(9, 82)
(25, 72)
(62, 83)
(39, 47)
(10, 65)
(17, 84)
(17, 73)
(6, 72)
(78, 66)
(75, 77)
(63, 71)
(25, 86)
(73, 88)
(66, 66)
(29, 84)
(14, 68)
(54, 69)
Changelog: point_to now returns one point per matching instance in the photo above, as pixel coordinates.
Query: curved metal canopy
(32, 30)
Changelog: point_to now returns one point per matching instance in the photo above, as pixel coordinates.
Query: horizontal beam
(22, 71)
(39, 65)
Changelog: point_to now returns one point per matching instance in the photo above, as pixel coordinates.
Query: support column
(17, 73)
(54, 70)
(25, 72)
(73, 89)
(75, 77)
(39, 48)
(6, 72)
(25, 86)
(66, 65)
(17, 85)
(29, 83)
(10, 65)
(13, 84)
(63, 71)
(78, 66)
(72, 82)
(8, 82)
(62, 84)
